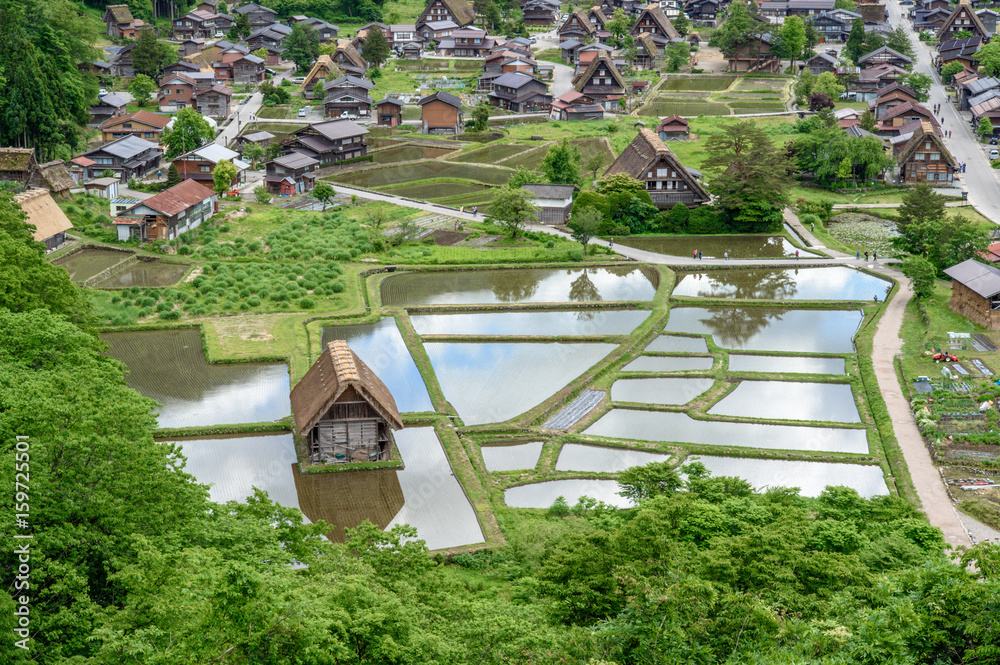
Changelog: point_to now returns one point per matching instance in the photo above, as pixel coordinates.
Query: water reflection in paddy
(597, 459)
(810, 477)
(381, 347)
(86, 263)
(790, 400)
(659, 391)
(833, 283)
(739, 247)
(677, 344)
(579, 322)
(681, 428)
(771, 328)
(170, 367)
(785, 364)
(668, 364)
(542, 495)
(520, 285)
(146, 274)
(493, 382)
(511, 457)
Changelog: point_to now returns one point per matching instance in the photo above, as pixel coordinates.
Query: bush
(172, 315)
(185, 250)
(307, 303)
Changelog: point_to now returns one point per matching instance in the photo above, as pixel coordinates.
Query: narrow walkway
(933, 496)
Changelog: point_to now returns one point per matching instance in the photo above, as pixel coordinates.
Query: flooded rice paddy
(790, 400)
(770, 328)
(579, 322)
(678, 344)
(511, 457)
(169, 366)
(493, 382)
(407, 153)
(381, 347)
(146, 274)
(597, 459)
(785, 364)
(810, 477)
(542, 495)
(668, 364)
(681, 428)
(434, 501)
(739, 247)
(659, 391)
(522, 285)
(833, 283)
(87, 263)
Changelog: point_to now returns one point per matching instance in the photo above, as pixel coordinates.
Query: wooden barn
(975, 292)
(50, 222)
(343, 412)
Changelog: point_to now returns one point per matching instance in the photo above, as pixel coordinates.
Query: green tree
(827, 84)
(867, 121)
(949, 71)
(920, 215)
(241, 27)
(919, 83)
(190, 131)
(585, 224)
(150, 55)
(855, 44)
(561, 164)
(262, 53)
(173, 177)
(594, 164)
(376, 49)
(804, 86)
(618, 26)
(988, 56)
(922, 274)
(899, 41)
(324, 192)
(223, 176)
(523, 176)
(749, 176)
(617, 183)
(641, 483)
(302, 46)
(676, 55)
(845, 170)
(792, 39)
(261, 195)
(480, 117)
(512, 209)
(682, 24)
(741, 29)
(849, 5)
(141, 88)
(254, 152)
(984, 129)
(222, 8)
(489, 13)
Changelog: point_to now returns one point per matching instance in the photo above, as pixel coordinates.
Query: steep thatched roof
(324, 64)
(351, 54)
(15, 159)
(647, 149)
(646, 40)
(120, 13)
(926, 132)
(43, 213)
(56, 176)
(462, 11)
(963, 8)
(581, 80)
(654, 12)
(336, 370)
(582, 19)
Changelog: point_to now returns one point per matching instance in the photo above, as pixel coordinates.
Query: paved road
(980, 177)
(247, 110)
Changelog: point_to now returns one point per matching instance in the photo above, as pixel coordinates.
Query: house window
(148, 135)
(661, 173)
(205, 169)
(919, 156)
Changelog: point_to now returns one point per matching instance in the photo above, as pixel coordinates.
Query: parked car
(303, 111)
(994, 153)
(102, 92)
(993, 140)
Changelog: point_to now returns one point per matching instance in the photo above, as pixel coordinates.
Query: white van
(994, 153)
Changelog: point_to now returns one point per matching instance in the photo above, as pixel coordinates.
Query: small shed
(50, 222)
(553, 203)
(106, 188)
(389, 112)
(441, 113)
(412, 50)
(975, 292)
(673, 128)
(343, 412)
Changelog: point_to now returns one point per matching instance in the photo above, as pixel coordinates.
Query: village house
(808, 7)
(885, 55)
(873, 13)
(127, 157)
(327, 32)
(349, 60)
(195, 24)
(411, 51)
(989, 109)
(199, 164)
(179, 67)
(702, 12)
(890, 97)
(823, 62)
(389, 112)
(289, 174)
(347, 96)
(50, 222)
(673, 128)
(904, 113)
(519, 93)
(600, 21)
(988, 18)
(433, 32)
(343, 412)
(458, 12)
(540, 12)
(246, 69)
(774, 10)
(258, 15)
(120, 23)
(81, 169)
(930, 20)
(143, 124)
(440, 113)
(668, 182)
(568, 50)
(18, 165)
(170, 213)
(572, 105)
(755, 57)
(646, 52)
(176, 92)
(401, 33)
(831, 26)
(106, 188)
(962, 19)
(263, 139)
(109, 106)
(602, 82)
(329, 142)
(975, 88)
(553, 203)
(975, 292)
(652, 20)
(926, 159)
(320, 70)
(959, 50)
(270, 37)
(863, 85)
(214, 102)
(466, 43)
(577, 26)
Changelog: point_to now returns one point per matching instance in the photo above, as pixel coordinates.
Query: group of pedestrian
(937, 109)
(696, 255)
(874, 255)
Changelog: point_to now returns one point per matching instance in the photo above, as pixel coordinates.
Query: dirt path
(887, 345)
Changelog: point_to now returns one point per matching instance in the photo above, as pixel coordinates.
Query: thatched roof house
(649, 160)
(50, 222)
(975, 292)
(343, 411)
(926, 158)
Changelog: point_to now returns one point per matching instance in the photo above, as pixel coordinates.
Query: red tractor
(946, 357)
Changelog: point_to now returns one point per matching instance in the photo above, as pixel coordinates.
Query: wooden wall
(973, 306)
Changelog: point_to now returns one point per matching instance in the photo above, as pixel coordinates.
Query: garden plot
(785, 364)
(668, 364)
(87, 262)
(661, 106)
(382, 177)
(169, 367)
(711, 83)
(771, 328)
(682, 428)
(381, 347)
(869, 232)
(511, 457)
(659, 391)
(788, 400)
(833, 283)
(494, 382)
(532, 157)
(598, 459)
(440, 191)
(579, 322)
(490, 153)
(519, 285)
(408, 153)
(543, 495)
(810, 477)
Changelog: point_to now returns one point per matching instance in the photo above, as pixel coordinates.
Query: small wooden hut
(343, 411)
(975, 292)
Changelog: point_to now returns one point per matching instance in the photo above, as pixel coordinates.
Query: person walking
(475, 210)
(866, 256)
(699, 255)
(611, 244)
(858, 255)
(726, 254)
(812, 227)
(796, 255)
(694, 254)
(875, 256)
